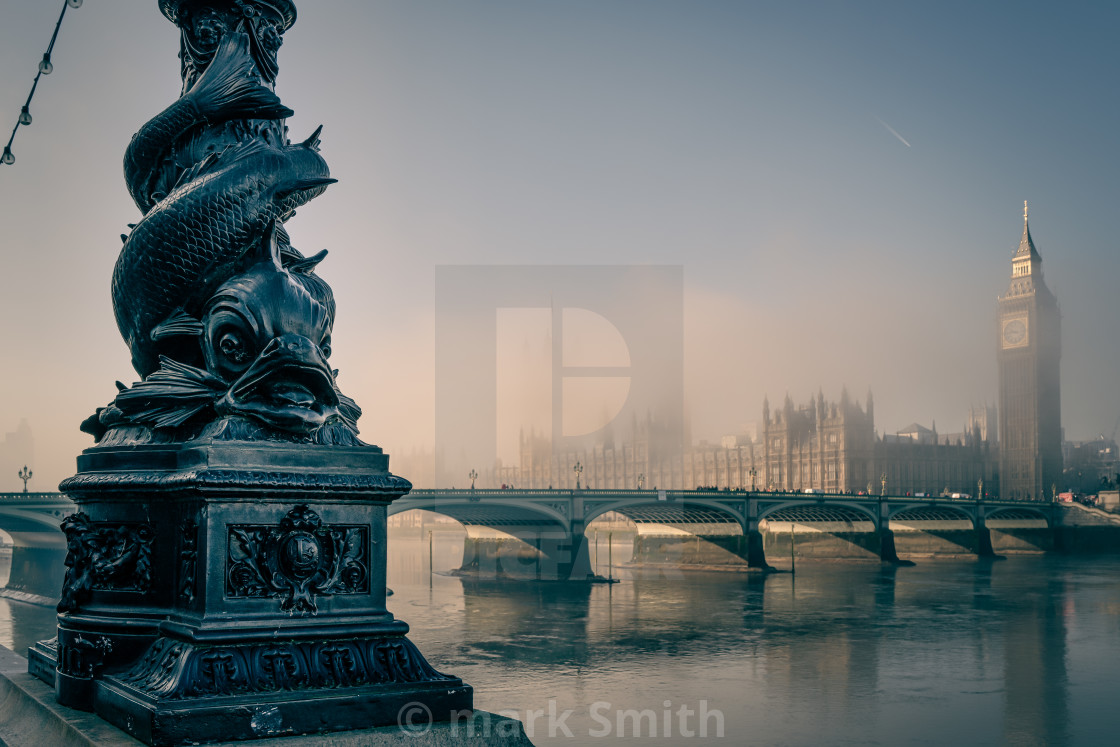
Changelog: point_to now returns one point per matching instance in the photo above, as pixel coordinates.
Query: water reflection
(1020, 651)
(1036, 709)
(972, 652)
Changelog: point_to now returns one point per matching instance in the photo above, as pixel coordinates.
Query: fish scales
(199, 233)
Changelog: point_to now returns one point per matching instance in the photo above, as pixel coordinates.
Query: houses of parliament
(832, 446)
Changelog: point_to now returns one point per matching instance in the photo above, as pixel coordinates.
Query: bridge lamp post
(753, 473)
(474, 476)
(578, 469)
(641, 480)
(883, 483)
(980, 489)
(25, 475)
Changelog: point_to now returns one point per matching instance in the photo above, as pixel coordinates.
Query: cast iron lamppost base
(235, 591)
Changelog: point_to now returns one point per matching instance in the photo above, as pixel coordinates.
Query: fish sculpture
(265, 339)
(227, 325)
(228, 89)
(194, 239)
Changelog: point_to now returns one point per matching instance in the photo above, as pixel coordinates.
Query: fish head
(267, 333)
(289, 386)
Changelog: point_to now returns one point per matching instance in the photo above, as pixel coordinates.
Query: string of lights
(45, 68)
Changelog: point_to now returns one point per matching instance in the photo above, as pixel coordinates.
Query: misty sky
(841, 182)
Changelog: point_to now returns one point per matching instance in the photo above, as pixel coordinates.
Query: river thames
(1021, 651)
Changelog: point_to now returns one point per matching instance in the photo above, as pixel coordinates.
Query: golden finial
(1024, 210)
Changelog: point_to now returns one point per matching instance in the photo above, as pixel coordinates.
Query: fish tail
(230, 87)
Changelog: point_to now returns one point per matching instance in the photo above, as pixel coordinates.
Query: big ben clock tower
(1030, 426)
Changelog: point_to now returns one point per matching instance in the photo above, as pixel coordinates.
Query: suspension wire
(45, 68)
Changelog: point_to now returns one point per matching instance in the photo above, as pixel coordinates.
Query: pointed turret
(1026, 263)
(1026, 244)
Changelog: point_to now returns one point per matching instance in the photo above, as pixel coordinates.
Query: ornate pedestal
(233, 590)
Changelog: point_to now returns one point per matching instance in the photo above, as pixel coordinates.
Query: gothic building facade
(831, 447)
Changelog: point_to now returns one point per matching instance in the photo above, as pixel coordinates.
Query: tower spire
(1026, 244)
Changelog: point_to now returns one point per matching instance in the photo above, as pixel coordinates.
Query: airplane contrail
(893, 132)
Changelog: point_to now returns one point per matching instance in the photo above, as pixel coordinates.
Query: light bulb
(74, 3)
(8, 157)
(24, 116)
(45, 67)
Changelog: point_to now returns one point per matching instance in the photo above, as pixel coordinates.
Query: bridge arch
(470, 512)
(542, 543)
(801, 510)
(691, 511)
(1018, 514)
(32, 527)
(927, 512)
(14, 520)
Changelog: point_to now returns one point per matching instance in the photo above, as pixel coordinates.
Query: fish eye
(326, 347)
(233, 347)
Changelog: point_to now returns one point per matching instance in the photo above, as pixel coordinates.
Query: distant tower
(1030, 426)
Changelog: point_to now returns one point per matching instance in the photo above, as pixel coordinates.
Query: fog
(840, 185)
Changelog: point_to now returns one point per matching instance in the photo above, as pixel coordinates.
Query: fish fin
(230, 87)
(170, 396)
(313, 141)
(282, 234)
(304, 185)
(348, 409)
(124, 237)
(212, 161)
(268, 248)
(197, 170)
(120, 386)
(307, 264)
(289, 255)
(243, 149)
(179, 323)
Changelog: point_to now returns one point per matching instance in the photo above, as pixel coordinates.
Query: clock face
(1014, 333)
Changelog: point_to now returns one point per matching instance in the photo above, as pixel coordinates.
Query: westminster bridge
(553, 522)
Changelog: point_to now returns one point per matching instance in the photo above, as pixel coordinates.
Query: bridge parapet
(54, 497)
